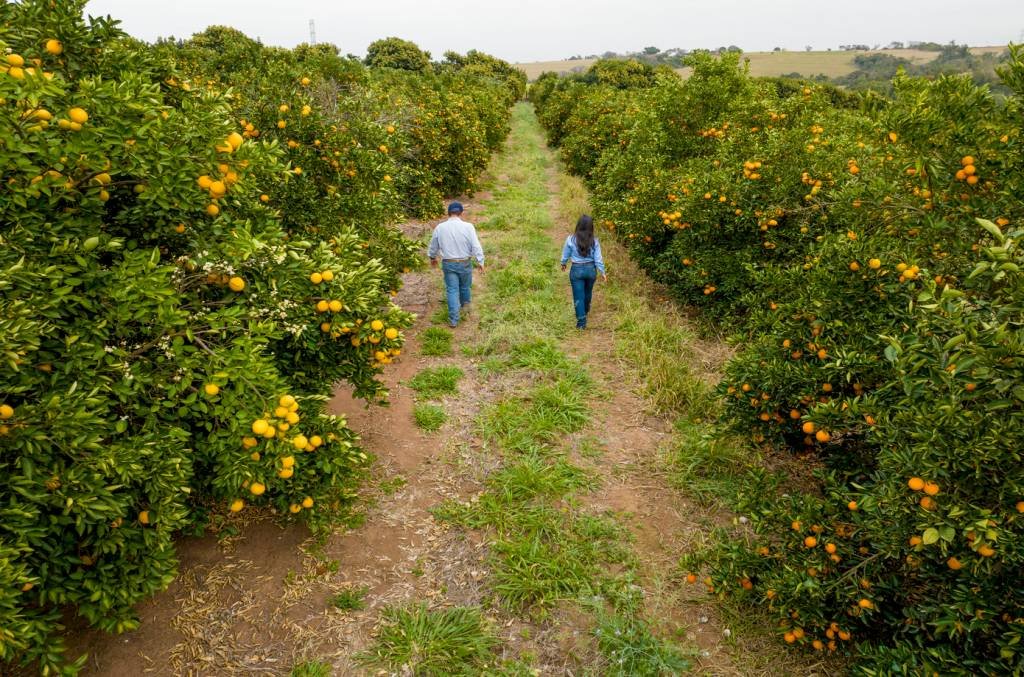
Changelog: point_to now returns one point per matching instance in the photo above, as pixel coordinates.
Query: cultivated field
(766, 64)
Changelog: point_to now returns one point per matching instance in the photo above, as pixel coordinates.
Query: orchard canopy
(196, 245)
(868, 251)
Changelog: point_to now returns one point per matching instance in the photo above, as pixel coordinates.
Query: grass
(545, 548)
(351, 599)
(420, 641)
(312, 669)
(436, 382)
(440, 316)
(542, 416)
(429, 417)
(436, 341)
(630, 648)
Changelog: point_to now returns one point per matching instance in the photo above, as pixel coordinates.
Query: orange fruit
(986, 551)
(931, 488)
(915, 541)
(260, 426)
(865, 603)
(916, 483)
(927, 503)
(211, 389)
(808, 428)
(852, 505)
(954, 564)
(316, 278)
(830, 548)
(691, 578)
(307, 502)
(822, 436)
(236, 505)
(144, 517)
(789, 637)
(810, 542)
(78, 115)
(236, 284)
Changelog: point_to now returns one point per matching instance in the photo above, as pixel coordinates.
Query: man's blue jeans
(582, 278)
(458, 279)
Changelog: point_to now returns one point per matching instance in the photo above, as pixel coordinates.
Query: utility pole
(312, 32)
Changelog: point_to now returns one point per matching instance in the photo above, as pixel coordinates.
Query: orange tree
(846, 240)
(377, 142)
(176, 306)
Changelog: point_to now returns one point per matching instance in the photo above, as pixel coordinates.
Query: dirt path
(261, 603)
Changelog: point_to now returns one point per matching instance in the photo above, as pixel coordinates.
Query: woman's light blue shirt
(570, 251)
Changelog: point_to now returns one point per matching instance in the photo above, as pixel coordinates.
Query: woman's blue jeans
(458, 280)
(582, 278)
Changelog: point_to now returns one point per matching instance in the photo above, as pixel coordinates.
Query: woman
(585, 252)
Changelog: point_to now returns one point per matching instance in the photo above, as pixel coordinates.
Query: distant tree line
(874, 70)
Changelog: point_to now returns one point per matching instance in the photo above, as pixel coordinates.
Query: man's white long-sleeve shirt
(455, 239)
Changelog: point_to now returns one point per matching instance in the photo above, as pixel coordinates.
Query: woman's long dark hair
(584, 235)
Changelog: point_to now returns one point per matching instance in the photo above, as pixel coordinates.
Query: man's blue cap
(455, 208)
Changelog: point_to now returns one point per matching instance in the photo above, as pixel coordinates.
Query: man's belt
(456, 260)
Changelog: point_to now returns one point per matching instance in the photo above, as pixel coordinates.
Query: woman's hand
(563, 267)
(604, 277)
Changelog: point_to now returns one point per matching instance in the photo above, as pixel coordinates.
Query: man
(456, 243)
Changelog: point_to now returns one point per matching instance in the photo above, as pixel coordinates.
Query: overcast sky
(541, 30)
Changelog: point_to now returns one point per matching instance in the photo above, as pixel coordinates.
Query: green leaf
(930, 536)
(992, 229)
